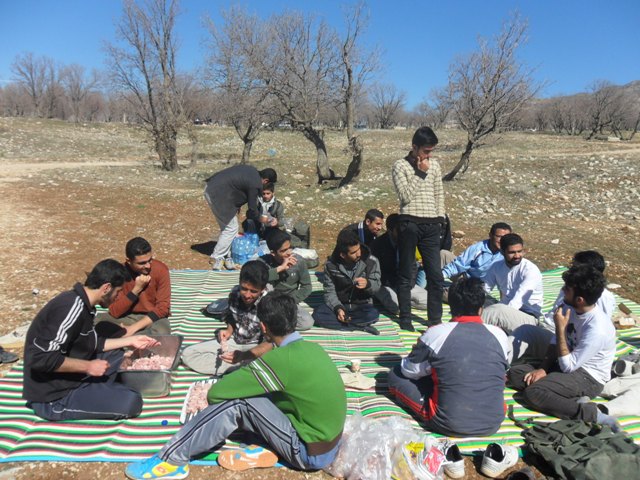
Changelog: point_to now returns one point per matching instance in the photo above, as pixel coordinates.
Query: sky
(571, 43)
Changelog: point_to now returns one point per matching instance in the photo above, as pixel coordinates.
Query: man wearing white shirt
(530, 343)
(578, 361)
(520, 284)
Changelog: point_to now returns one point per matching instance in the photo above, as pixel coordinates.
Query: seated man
(351, 279)
(270, 211)
(453, 379)
(385, 249)
(70, 371)
(143, 306)
(369, 228)
(288, 274)
(476, 260)
(520, 283)
(530, 343)
(242, 340)
(578, 361)
(293, 397)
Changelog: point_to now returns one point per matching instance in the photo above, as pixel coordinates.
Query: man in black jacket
(226, 192)
(69, 371)
(351, 278)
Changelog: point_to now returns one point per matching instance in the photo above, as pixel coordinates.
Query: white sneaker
(229, 264)
(498, 458)
(454, 463)
(217, 263)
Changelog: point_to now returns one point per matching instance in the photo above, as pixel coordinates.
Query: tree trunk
(354, 168)
(246, 151)
(322, 162)
(166, 148)
(463, 164)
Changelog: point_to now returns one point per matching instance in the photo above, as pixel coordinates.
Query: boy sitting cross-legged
(292, 397)
(351, 279)
(241, 341)
(289, 274)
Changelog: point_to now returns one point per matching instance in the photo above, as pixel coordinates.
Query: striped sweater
(421, 194)
(302, 382)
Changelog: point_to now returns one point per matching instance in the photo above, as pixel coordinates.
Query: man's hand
(224, 334)
(287, 264)
(360, 283)
(342, 316)
(561, 318)
(235, 356)
(97, 368)
(534, 376)
(130, 329)
(142, 342)
(141, 283)
(423, 165)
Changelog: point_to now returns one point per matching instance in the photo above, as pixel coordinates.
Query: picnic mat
(25, 437)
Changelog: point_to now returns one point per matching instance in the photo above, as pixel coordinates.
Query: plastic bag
(368, 445)
(423, 460)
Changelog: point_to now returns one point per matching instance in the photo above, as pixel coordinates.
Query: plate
(184, 416)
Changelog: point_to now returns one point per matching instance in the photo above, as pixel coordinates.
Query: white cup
(355, 365)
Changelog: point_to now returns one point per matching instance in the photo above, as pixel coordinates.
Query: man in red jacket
(143, 306)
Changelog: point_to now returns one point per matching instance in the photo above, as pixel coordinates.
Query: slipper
(7, 357)
(252, 456)
(357, 381)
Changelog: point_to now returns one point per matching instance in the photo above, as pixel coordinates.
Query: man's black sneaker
(370, 329)
(405, 324)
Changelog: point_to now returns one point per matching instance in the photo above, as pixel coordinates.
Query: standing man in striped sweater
(417, 180)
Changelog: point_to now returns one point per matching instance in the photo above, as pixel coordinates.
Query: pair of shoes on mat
(252, 456)
(498, 458)
(454, 463)
(222, 263)
(7, 357)
(155, 467)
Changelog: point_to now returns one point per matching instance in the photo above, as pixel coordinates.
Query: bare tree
(605, 106)
(388, 102)
(358, 65)
(300, 67)
(145, 68)
(37, 76)
(489, 87)
(77, 86)
(246, 99)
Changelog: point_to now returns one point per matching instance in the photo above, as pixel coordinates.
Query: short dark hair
(107, 271)
(269, 186)
(276, 238)
(256, 273)
(586, 281)
(372, 214)
(269, 174)
(466, 296)
(278, 312)
(590, 257)
(136, 246)
(392, 221)
(346, 239)
(499, 226)
(510, 239)
(424, 136)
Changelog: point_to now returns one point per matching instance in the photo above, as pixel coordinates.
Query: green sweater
(302, 382)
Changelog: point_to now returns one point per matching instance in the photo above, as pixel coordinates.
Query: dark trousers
(557, 392)
(97, 398)
(426, 237)
(360, 316)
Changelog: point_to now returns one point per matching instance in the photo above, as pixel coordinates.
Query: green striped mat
(24, 437)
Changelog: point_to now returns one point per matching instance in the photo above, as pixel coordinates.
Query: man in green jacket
(292, 396)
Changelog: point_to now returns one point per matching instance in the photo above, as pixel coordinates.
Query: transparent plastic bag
(367, 448)
(423, 460)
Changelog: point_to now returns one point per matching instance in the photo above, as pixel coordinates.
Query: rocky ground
(72, 195)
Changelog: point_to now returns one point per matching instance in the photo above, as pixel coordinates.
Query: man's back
(468, 362)
(233, 187)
